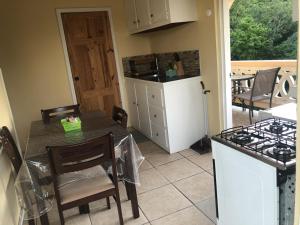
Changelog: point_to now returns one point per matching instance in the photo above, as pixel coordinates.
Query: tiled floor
(175, 189)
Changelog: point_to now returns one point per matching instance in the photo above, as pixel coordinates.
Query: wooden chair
(263, 88)
(85, 157)
(120, 116)
(11, 149)
(71, 110)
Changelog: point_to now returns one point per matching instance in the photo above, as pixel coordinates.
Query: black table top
(93, 124)
(161, 78)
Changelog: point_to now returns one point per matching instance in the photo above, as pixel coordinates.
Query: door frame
(59, 11)
(225, 63)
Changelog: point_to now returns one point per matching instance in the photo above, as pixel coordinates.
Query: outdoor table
(237, 79)
(35, 169)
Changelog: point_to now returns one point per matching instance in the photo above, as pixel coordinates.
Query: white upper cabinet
(143, 13)
(159, 11)
(132, 21)
(149, 14)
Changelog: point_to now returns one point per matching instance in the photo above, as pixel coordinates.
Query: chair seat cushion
(247, 96)
(77, 185)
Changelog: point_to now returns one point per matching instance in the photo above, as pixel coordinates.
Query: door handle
(76, 78)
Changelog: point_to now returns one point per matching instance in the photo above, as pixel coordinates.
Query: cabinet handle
(151, 15)
(134, 103)
(157, 134)
(153, 96)
(138, 21)
(155, 116)
(134, 22)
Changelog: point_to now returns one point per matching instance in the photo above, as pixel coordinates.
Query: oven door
(246, 188)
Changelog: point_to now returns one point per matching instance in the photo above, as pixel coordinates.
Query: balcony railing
(286, 78)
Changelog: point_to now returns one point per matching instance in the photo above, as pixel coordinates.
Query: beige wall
(199, 35)
(32, 57)
(9, 209)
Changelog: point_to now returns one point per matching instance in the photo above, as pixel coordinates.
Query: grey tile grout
(190, 206)
(192, 201)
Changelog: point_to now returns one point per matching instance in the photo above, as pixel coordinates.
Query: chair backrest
(120, 116)
(10, 148)
(71, 110)
(264, 82)
(72, 158)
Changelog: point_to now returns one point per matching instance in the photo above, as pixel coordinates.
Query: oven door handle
(215, 186)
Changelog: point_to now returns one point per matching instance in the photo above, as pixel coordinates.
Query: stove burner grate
(281, 152)
(241, 138)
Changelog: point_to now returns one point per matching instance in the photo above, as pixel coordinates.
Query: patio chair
(86, 158)
(263, 88)
(120, 116)
(71, 110)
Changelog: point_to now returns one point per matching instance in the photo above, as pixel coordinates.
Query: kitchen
(32, 41)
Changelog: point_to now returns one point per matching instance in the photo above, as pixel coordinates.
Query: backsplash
(145, 64)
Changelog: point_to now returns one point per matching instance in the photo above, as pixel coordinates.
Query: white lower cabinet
(170, 114)
(159, 135)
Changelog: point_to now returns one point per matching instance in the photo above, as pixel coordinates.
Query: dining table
(34, 182)
(237, 79)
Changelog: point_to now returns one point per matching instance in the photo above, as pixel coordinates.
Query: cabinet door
(132, 104)
(143, 13)
(159, 11)
(142, 101)
(131, 15)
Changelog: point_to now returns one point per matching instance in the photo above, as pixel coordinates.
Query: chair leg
(61, 215)
(250, 112)
(31, 222)
(108, 202)
(118, 201)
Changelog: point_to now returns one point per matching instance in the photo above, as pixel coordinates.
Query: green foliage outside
(262, 30)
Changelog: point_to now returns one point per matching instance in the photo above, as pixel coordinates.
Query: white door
(132, 104)
(142, 102)
(143, 13)
(131, 15)
(159, 11)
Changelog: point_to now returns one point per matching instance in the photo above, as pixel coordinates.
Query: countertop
(161, 78)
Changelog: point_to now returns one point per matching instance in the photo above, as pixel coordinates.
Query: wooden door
(143, 13)
(159, 12)
(90, 47)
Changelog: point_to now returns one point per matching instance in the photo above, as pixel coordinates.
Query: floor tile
(204, 161)
(179, 169)
(160, 158)
(151, 179)
(197, 188)
(162, 202)
(82, 219)
(188, 216)
(145, 166)
(208, 207)
(148, 147)
(188, 152)
(110, 216)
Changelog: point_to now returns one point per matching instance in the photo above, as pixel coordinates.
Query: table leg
(44, 219)
(239, 87)
(130, 187)
(133, 198)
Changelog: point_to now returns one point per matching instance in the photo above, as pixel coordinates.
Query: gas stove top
(272, 140)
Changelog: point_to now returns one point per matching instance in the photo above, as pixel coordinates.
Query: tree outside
(262, 30)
